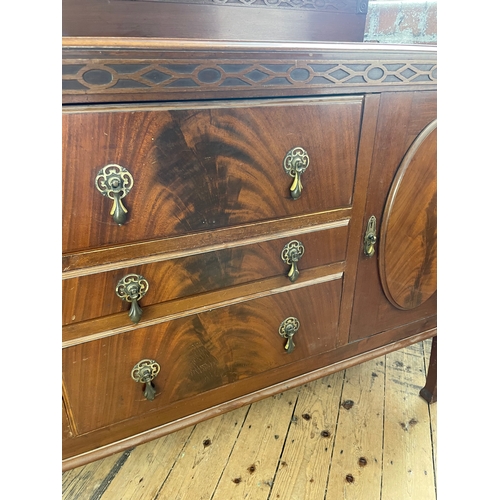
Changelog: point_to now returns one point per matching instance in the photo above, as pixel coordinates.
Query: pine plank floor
(363, 433)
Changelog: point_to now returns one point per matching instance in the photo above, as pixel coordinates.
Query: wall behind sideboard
(401, 21)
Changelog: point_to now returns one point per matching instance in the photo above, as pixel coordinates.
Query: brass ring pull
(295, 163)
(370, 237)
(132, 288)
(144, 372)
(290, 255)
(288, 329)
(115, 182)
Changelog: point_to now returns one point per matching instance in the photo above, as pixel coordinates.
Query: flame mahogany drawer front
(196, 354)
(203, 167)
(94, 296)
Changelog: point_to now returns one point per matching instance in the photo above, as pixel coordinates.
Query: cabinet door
(397, 284)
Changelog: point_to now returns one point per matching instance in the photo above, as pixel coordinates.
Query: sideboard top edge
(230, 45)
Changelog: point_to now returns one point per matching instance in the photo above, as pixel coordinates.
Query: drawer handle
(288, 329)
(132, 288)
(115, 182)
(295, 163)
(370, 237)
(290, 255)
(144, 372)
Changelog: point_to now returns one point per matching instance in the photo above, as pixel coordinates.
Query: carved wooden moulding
(348, 6)
(160, 74)
(242, 74)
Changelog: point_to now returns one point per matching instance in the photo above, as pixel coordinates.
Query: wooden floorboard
(356, 468)
(363, 433)
(256, 456)
(408, 470)
(308, 446)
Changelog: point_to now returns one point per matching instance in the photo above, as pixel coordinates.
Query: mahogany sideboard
(239, 218)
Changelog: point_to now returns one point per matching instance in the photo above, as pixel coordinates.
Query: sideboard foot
(429, 392)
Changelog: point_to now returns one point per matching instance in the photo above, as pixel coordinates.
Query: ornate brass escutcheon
(115, 182)
(288, 329)
(290, 255)
(370, 237)
(132, 288)
(144, 372)
(295, 163)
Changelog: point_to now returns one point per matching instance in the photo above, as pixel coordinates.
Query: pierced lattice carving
(112, 76)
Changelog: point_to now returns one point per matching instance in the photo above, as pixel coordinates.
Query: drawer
(94, 296)
(196, 354)
(204, 167)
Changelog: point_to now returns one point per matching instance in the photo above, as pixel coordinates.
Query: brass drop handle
(288, 329)
(115, 182)
(290, 255)
(144, 372)
(132, 288)
(295, 163)
(370, 237)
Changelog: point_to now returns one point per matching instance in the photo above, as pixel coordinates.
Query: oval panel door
(408, 234)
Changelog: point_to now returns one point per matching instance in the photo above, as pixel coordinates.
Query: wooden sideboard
(239, 218)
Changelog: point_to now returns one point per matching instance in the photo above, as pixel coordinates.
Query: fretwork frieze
(159, 75)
